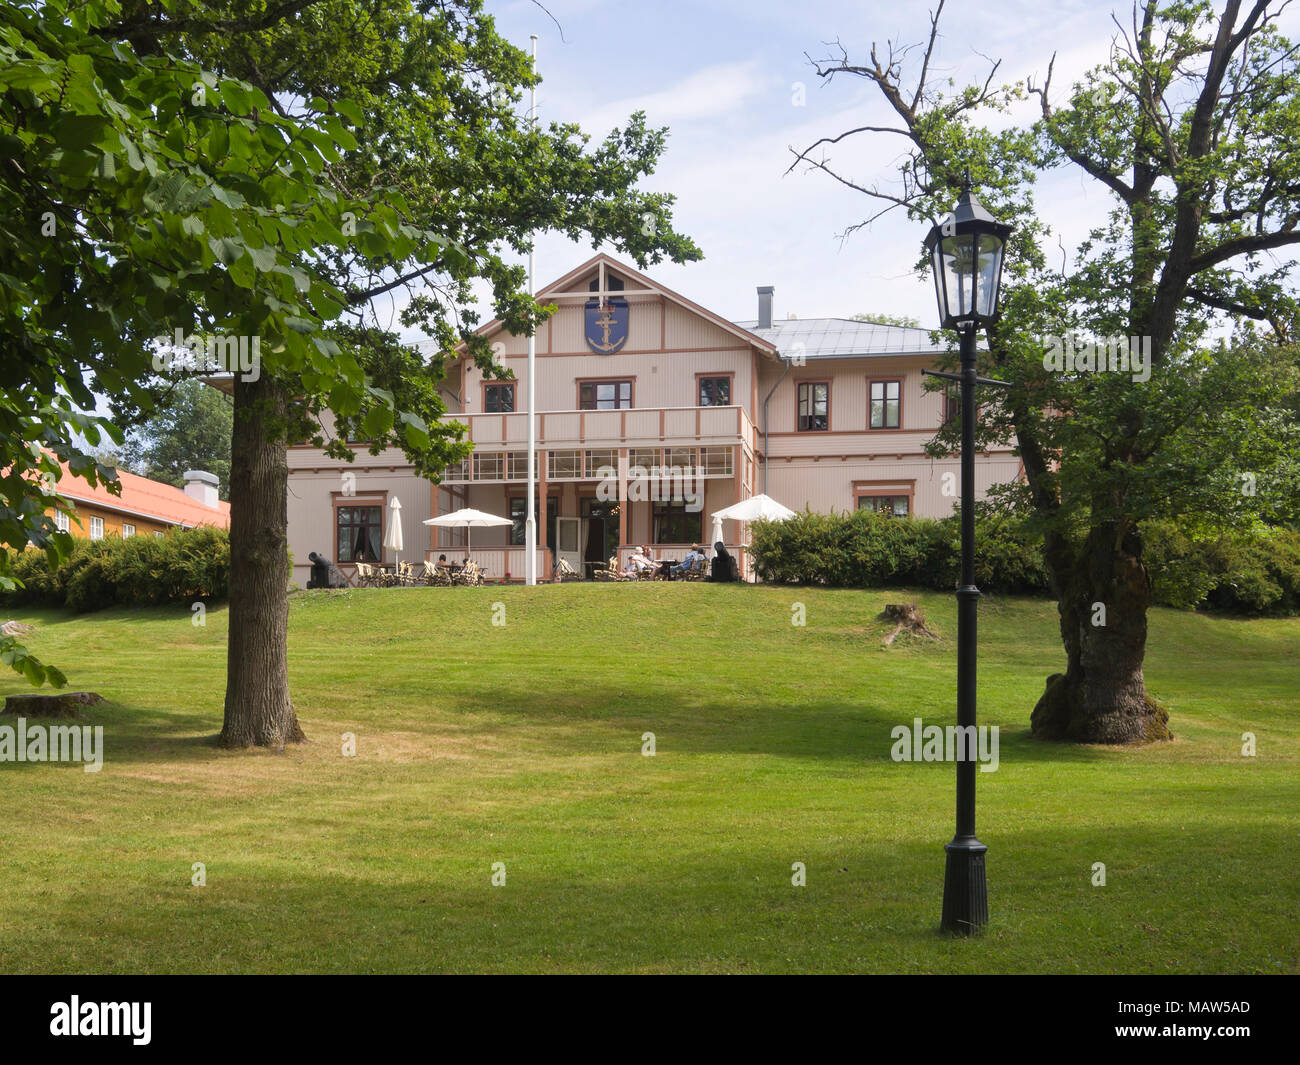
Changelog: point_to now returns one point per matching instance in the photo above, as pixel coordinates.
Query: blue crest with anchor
(606, 325)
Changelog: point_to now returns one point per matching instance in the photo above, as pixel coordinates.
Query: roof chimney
(765, 306)
(201, 486)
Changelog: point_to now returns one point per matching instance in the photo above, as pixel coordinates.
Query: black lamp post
(966, 251)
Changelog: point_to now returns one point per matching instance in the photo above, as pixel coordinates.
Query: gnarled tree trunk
(259, 712)
(1103, 592)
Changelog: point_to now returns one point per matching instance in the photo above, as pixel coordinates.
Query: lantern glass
(966, 254)
(988, 273)
(957, 265)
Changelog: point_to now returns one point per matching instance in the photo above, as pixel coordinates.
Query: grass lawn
(521, 744)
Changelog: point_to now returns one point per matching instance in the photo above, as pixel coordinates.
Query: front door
(568, 541)
(602, 532)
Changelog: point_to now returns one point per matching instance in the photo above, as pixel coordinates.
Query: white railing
(637, 426)
(497, 563)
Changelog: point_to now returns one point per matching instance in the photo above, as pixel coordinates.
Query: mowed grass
(522, 744)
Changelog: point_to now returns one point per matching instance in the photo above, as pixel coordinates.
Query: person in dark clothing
(724, 566)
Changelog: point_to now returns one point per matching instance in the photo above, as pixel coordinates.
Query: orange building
(144, 506)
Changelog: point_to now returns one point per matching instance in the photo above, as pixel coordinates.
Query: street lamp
(966, 252)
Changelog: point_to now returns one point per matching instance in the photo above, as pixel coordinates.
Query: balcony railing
(639, 426)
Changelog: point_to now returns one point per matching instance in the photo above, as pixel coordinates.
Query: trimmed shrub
(1247, 572)
(863, 549)
(183, 566)
(1254, 572)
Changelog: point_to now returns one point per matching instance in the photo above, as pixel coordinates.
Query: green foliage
(1255, 572)
(140, 194)
(863, 549)
(184, 566)
(188, 430)
(901, 320)
(1245, 572)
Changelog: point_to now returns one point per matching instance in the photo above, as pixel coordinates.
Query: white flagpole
(530, 525)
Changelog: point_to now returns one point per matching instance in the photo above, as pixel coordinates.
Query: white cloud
(709, 93)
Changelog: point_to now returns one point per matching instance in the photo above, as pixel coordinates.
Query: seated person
(642, 559)
(693, 558)
(442, 560)
(724, 566)
(630, 568)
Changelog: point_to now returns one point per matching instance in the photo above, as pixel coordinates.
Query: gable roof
(145, 499)
(756, 340)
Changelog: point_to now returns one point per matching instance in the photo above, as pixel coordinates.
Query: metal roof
(828, 338)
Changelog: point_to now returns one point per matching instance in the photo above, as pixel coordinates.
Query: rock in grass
(64, 704)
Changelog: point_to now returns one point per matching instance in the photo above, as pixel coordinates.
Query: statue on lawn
(324, 574)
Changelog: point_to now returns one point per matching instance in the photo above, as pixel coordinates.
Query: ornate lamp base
(965, 891)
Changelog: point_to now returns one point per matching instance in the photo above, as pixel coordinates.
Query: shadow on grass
(600, 720)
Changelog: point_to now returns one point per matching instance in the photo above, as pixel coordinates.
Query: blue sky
(723, 77)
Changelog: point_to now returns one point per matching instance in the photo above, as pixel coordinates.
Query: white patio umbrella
(393, 538)
(755, 508)
(469, 519)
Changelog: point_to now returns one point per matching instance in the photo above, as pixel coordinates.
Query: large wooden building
(653, 412)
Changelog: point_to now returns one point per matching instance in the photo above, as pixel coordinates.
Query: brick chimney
(201, 486)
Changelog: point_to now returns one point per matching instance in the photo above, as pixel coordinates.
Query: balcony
(578, 443)
(638, 427)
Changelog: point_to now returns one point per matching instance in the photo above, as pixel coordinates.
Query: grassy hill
(521, 744)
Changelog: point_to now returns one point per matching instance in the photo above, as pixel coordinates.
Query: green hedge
(1256, 572)
(182, 566)
(862, 549)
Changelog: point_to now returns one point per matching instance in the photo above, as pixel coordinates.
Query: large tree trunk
(259, 712)
(1103, 592)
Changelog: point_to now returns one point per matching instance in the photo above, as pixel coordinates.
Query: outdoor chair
(607, 572)
(471, 575)
(436, 576)
(363, 575)
(563, 571)
(698, 571)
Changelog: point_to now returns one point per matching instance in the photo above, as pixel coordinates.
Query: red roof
(145, 499)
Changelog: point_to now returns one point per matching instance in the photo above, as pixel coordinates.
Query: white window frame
(96, 528)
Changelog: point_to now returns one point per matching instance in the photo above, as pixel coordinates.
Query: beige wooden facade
(652, 467)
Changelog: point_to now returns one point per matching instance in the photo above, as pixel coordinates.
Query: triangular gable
(571, 286)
